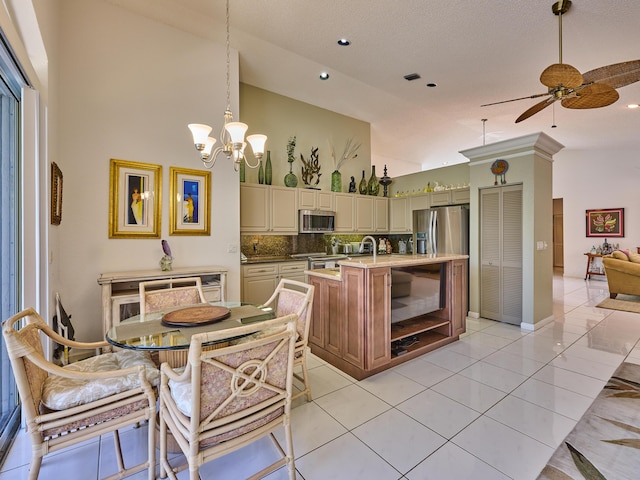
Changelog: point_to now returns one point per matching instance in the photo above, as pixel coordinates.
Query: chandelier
(232, 141)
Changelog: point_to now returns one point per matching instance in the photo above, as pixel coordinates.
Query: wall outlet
(232, 248)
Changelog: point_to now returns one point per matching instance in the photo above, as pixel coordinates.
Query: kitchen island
(370, 314)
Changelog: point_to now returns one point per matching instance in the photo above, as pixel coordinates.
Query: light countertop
(397, 260)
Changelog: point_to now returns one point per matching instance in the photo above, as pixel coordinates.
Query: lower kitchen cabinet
(260, 280)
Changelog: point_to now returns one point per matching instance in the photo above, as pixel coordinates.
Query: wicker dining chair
(63, 406)
(292, 296)
(156, 295)
(227, 398)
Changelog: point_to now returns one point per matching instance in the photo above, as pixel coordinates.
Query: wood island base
(352, 328)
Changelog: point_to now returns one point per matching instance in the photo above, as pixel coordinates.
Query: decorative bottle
(242, 171)
(267, 169)
(373, 187)
(362, 188)
(336, 181)
(260, 173)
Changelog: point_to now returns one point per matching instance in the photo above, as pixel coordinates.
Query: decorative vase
(290, 179)
(166, 263)
(385, 181)
(242, 171)
(260, 173)
(336, 181)
(362, 188)
(267, 169)
(373, 186)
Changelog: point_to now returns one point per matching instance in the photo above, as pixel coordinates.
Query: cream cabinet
(120, 290)
(260, 280)
(268, 210)
(419, 202)
(400, 220)
(309, 199)
(345, 221)
(381, 214)
(364, 214)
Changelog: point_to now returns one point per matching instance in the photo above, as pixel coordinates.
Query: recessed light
(431, 84)
(633, 105)
(344, 42)
(324, 76)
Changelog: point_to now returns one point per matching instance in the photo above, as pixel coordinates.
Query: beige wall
(281, 117)
(128, 88)
(530, 163)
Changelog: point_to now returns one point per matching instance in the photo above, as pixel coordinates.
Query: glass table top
(146, 332)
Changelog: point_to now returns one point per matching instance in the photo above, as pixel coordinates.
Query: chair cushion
(634, 257)
(60, 393)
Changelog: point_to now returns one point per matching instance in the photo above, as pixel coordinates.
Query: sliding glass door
(11, 82)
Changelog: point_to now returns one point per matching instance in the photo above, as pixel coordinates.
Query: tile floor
(494, 405)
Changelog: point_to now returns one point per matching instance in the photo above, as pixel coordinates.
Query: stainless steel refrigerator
(441, 230)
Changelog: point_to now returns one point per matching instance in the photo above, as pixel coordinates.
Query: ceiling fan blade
(616, 75)
(561, 74)
(537, 95)
(592, 96)
(535, 109)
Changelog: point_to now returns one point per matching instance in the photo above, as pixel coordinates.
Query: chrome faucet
(373, 241)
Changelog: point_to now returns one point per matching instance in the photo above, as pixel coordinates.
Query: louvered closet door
(490, 254)
(501, 254)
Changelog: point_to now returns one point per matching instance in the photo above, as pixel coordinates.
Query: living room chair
(64, 406)
(158, 295)
(292, 296)
(227, 398)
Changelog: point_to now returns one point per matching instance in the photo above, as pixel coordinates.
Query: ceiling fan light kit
(593, 89)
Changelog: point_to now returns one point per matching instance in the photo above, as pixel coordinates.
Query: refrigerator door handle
(432, 231)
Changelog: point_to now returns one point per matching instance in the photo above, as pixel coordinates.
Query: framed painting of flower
(608, 222)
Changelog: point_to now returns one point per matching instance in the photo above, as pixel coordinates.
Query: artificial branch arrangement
(311, 168)
(349, 152)
(291, 146)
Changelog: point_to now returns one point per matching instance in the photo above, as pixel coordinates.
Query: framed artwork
(189, 212)
(135, 199)
(56, 194)
(608, 222)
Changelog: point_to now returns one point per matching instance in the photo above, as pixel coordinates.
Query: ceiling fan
(593, 89)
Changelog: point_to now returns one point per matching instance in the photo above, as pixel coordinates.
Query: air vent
(412, 76)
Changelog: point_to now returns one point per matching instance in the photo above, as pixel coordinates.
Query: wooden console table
(121, 297)
(590, 271)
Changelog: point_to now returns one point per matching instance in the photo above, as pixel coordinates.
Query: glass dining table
(148, 332)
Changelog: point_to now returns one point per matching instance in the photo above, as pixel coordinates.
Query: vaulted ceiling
(476, 52)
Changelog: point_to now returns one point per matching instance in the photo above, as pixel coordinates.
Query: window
(11, 82)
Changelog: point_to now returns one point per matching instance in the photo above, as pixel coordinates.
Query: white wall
(128, 88)
(590, 180)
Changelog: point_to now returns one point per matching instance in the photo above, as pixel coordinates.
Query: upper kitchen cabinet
(371, 214)
(345, 212)
(268, 209)
(450, 197)
(309, 199)
(400, 215)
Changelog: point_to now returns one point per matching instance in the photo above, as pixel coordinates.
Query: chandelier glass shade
(232, 140)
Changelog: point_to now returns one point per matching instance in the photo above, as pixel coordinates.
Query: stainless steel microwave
(316, 221)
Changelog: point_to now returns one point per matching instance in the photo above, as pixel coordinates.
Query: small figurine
(352, 185)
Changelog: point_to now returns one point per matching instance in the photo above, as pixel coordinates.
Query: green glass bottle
(267, 169)
(362, 187)
(260, 173)
(242, 171)
(373, 186)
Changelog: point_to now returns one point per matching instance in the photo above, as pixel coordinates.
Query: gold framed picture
(134, 199)
(189, 212)
(56, 194)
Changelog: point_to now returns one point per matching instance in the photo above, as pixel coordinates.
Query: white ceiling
(477, 52)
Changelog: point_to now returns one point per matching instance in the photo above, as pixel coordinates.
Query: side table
(590, 271)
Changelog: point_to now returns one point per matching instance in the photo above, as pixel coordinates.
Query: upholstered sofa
(623, 273)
